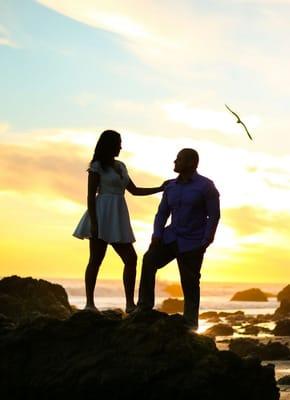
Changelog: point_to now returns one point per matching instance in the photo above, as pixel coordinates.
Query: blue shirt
(195, 211)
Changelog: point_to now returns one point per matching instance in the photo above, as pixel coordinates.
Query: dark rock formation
(284, 294)
(174, 290)
(27, 298)
(172, 306)
(250, 295)
(285, 380)
(208, 314)
(282, 328)
(144, 356)
(219, 330)
(230, 314)
(251, 330)
(252, 347)
(283, 310)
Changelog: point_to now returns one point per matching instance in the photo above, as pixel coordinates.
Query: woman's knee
(131, 260)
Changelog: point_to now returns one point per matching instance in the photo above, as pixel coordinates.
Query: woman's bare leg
(128, 255)
(97, 253)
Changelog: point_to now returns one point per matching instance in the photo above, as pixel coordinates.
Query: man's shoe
(192, 325)
(130, 309)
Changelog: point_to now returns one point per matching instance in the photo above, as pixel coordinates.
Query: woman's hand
(165, 183)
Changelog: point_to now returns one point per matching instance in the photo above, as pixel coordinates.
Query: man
(192, 200)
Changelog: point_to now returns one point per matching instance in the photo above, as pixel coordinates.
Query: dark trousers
(189, 264)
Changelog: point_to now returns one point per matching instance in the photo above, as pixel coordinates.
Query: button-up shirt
(195, 211)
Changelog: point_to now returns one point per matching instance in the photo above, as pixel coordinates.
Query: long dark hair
(105, 149)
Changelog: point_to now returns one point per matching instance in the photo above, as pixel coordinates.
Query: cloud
(5, 39)
(205, 119)
(247, 221)
(84, 99)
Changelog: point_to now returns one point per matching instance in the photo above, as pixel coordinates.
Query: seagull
(239, 121)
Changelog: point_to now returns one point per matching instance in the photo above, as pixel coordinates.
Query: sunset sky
(159, 72)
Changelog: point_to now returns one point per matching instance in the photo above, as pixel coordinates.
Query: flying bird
(239, 121)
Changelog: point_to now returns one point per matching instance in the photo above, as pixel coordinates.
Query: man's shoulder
(204, 179)
(170, 183)
(206, 183)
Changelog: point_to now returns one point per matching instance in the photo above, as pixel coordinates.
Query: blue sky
(159, 72)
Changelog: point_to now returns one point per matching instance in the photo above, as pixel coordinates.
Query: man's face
(183, 162)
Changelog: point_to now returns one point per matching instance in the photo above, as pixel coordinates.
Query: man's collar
(190, 179)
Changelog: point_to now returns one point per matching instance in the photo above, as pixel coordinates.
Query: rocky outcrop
(27, 298)
(172, 306)
(285, 380)
(144, 356)
(219, 330)
(250, 295)
(252, 347)
(283, 310)
(284, 294)
(282, 328)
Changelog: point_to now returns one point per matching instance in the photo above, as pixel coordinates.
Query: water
(215, 296)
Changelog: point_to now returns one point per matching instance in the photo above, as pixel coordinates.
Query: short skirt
(113, 220)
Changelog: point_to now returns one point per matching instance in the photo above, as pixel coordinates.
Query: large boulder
(219, 330)
(252, 347)
(284, 294)
(144, 356)
(172, 306)
(26, 298)
(283, 310)
(282, 328)
(250, 295)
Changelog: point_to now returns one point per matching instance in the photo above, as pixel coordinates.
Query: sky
(160, 73)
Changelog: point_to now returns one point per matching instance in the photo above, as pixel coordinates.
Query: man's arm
(212, 204)
(161, 217)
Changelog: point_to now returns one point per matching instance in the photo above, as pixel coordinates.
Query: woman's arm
(93, 183)
(137, 191)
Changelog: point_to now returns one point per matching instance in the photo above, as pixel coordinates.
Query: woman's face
(118, 148)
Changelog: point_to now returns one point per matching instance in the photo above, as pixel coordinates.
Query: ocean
(215, 296)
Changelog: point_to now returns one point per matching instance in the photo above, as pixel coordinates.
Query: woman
(106, 220)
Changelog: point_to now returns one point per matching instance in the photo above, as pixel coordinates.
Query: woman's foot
(130, 308)
(91, 307)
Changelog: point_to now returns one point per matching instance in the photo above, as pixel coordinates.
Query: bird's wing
(246, 130)
(235, 114)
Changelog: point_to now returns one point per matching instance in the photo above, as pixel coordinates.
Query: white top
(111, 208)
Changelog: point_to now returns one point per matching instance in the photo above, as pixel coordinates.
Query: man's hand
(205, 243)
(155, 241)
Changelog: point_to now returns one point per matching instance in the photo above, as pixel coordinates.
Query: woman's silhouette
(106, 220)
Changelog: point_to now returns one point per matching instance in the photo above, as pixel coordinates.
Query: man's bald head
(186, 160)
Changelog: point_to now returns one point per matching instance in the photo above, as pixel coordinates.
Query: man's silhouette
(192, 200)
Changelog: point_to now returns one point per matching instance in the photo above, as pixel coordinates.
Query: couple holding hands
(191, 200)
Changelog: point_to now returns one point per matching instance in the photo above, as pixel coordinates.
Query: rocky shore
(49, 349)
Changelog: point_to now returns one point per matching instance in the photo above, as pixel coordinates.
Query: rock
(285, 380)
(171, 306)
(284, 294)
(251, 330)
(283, 310)
(219, 330)
(144, 356)
(174, 290)
(230, 314)
(282, 328)
(252, 347)
(26, 298)
(208, 314)
(250, 295)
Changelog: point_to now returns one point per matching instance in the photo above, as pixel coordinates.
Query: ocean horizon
(109, 293)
